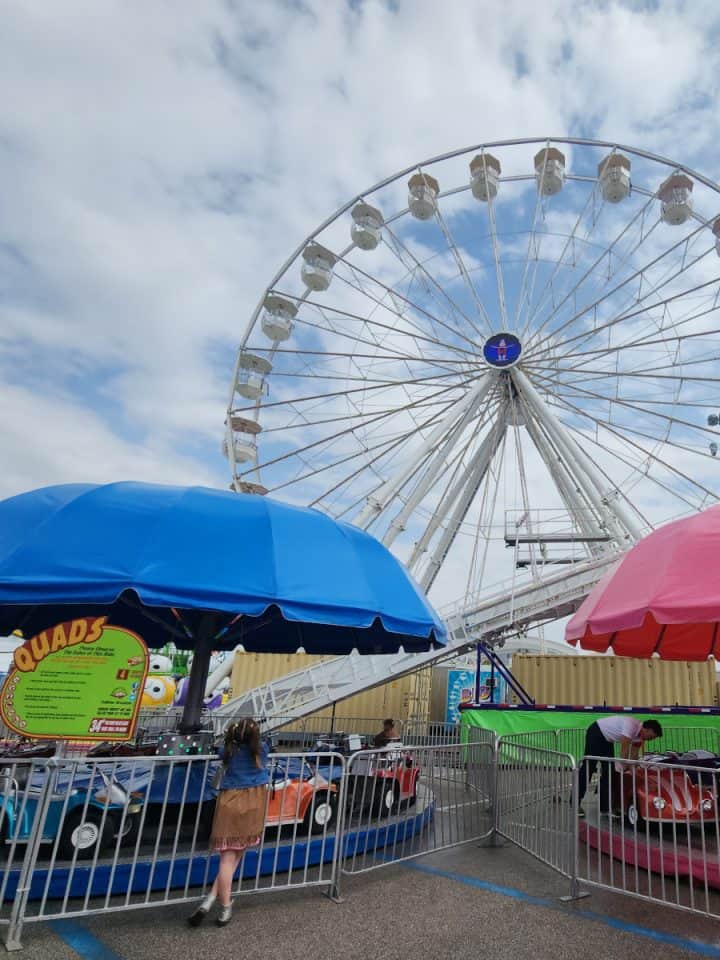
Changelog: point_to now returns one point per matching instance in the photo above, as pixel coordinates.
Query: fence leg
(494, 839)
(333, 890)
(575, 892)
(22, 894)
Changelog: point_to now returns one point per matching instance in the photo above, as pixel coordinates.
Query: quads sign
(80, 680)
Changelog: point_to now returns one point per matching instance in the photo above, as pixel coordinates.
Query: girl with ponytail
(239, 813)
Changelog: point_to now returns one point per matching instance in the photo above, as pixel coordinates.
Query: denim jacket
(242, 771)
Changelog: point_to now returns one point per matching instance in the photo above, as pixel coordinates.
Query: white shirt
(615, 729)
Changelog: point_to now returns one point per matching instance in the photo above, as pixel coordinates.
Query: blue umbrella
(206, 568)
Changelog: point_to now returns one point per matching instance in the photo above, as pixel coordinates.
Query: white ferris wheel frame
(605, 513)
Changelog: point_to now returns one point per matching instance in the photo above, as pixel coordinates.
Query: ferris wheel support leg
(462, 496)
(570, 491)
(385, 494)
(477, 468)
(621, 524)
(438, 462)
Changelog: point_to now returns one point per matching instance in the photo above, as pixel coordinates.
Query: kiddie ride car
(301, 794)
(86, 811)
(379, 780)
(656, 792)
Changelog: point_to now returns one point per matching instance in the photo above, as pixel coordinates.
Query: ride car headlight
(659, 803)
(707, 804)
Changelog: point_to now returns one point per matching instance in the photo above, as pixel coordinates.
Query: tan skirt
(239, 819)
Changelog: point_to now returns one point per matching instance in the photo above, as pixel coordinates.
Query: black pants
(596, 746)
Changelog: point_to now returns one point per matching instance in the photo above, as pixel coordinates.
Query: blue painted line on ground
(82, 941)
(682, 943)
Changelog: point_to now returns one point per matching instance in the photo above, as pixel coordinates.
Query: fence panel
(535, 802)
(122, 834)
(651, 830)
(405, 802)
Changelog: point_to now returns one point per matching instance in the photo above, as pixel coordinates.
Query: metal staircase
(491, 620)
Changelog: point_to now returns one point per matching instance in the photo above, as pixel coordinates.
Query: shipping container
(616, 681)
(399, 698)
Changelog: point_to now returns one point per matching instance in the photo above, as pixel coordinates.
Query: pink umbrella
(662, 597)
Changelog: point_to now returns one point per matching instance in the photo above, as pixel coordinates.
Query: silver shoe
(224, 917)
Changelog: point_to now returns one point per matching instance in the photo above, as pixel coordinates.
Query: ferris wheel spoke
(642, 342)
(455, 463)
(379, 388)
(385, 446)
(610, 429)
(625, 316)
(620, 262)
(423, 311)
(399, 249)
(498, 268)
(388, 449)
(532, 246)
(353, 355)
(460, 414)
(385, 304)
(641, 468)
(455, 250)
(436, 465)
(637, 274)
(548, 289)
(386, 328)
(638, 408)
(654, 324)
(600, 374)
(291, 427)
(337, 435)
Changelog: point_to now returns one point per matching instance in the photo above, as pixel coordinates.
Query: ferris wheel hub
(502, 350)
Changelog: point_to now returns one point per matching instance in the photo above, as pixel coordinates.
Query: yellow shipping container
(616, 681)
(399, 698)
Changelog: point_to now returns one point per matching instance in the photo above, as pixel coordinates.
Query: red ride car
(384, 780)
(656, 792)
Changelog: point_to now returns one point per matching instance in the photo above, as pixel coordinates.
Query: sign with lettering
(79, 680)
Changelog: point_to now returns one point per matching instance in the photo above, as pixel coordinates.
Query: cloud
(160, 161)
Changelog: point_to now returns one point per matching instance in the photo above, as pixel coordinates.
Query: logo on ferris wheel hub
(502, 350)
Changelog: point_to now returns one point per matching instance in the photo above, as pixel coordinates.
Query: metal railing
(402, 803)
(572, 740)
(652, 830)
(86, 835)
(535, 803)
(81, 836)
(123, 834)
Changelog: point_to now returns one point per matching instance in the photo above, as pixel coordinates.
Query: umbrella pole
(195, 699)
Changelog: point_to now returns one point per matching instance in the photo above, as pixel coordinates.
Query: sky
(160, 160)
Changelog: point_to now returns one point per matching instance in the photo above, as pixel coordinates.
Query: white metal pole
(377, 502)
(480, 465)
(492, 439)
(569, 488)
(623, 525)
(436, 464)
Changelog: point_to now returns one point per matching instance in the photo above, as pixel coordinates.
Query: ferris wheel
(497, 361)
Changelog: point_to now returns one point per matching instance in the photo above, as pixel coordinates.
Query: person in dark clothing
(600, 740)
(387, 734)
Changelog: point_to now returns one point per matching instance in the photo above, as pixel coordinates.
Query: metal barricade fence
(535, 806)
(84, 837)
(652, 830)
(540, 739)
(422, 733)
(405, 802)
